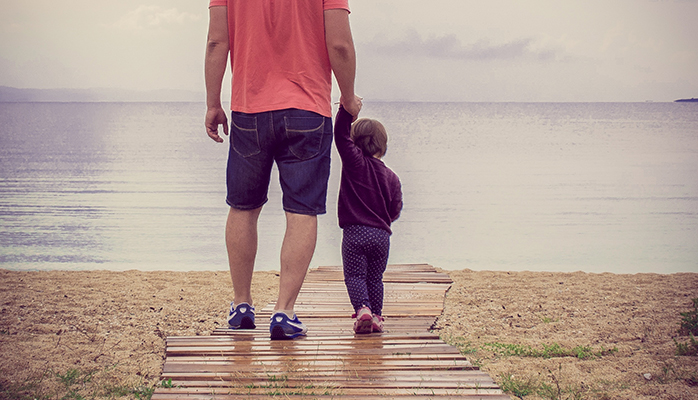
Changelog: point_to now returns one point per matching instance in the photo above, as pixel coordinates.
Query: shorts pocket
(305, 135)
(244, 137)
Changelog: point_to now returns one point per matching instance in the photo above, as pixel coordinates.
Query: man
(282, 55)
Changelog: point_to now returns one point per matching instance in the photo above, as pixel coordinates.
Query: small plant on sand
(517, 387)
(689, 323)
(463, 345)
(554, 389)
(557, 390)
(74, 377)
(688, 327)
(143, 392)
(74, 381)
(166, 383)
(73, 384)
(30, 389)
(687, 349)
(548, 351)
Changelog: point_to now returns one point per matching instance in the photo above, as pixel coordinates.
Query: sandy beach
(101, 334)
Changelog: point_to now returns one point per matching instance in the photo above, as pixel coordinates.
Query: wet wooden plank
(317, 393)
(337, 382)
(355, 340)
(342, 383)
(320, 392)
(332, 366)
(226, 373)
(405, 361)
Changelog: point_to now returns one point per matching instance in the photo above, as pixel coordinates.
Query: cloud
(449, 47)
(145, 17)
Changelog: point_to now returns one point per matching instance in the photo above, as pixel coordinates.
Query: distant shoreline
(110, 95)
(97, 95)
(691, 100)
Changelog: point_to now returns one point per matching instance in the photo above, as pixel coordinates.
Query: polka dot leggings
(365, 256)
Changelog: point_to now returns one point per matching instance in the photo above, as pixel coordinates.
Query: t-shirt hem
(255, 110)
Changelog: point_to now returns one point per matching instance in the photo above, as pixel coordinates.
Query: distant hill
(15, 95)
(693, 100)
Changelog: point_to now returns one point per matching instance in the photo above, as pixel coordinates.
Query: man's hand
(215, 117)
(352, 106)
(217, 51)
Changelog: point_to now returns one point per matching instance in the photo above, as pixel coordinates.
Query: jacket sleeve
(396, 202)
(351, 155)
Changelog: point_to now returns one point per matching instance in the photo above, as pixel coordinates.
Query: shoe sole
(278, 333)
(363, 326)
(245, 323)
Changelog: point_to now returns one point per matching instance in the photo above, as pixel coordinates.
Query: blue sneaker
(282, 327)
(241, 317)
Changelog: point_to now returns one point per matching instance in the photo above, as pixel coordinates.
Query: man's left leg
(296, 252)
(241, 242)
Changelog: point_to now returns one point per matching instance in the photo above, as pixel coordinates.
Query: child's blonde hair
(370, 136)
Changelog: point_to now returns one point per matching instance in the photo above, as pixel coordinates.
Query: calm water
(506, 186)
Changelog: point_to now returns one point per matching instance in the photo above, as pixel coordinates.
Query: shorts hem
(244, 208)
(305, 212)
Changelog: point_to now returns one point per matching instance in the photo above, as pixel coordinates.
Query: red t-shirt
(278, 54)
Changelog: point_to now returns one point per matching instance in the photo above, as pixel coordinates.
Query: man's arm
(217, 50)
(340, 47)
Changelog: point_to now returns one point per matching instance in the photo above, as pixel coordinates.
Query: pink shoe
(364, 321)
(377, 323)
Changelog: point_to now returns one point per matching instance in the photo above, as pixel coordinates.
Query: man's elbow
(217, 45)
(343, 49)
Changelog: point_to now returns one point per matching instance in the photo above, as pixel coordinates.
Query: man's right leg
(241, 242)
(303, 160)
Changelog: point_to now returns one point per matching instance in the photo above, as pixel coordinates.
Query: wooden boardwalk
(405, 361)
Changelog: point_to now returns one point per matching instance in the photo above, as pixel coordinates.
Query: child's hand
(352, 106)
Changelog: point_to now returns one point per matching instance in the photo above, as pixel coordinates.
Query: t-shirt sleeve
(214, 3)
(333, 4)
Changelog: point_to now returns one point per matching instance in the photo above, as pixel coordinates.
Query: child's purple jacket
(370, 193)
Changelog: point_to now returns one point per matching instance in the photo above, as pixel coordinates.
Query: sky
(407, 50)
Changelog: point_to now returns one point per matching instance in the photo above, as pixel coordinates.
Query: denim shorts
(298, 141)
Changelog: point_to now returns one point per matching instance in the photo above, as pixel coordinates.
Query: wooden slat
(329, 393)
(404, 362)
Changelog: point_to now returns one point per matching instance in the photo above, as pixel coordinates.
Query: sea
(594, 187)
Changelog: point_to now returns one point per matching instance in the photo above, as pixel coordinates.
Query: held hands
(215, 117)
(352, 106)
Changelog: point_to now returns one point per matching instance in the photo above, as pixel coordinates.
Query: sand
(100, 334)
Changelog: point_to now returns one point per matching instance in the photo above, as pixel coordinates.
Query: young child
(370, 199)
